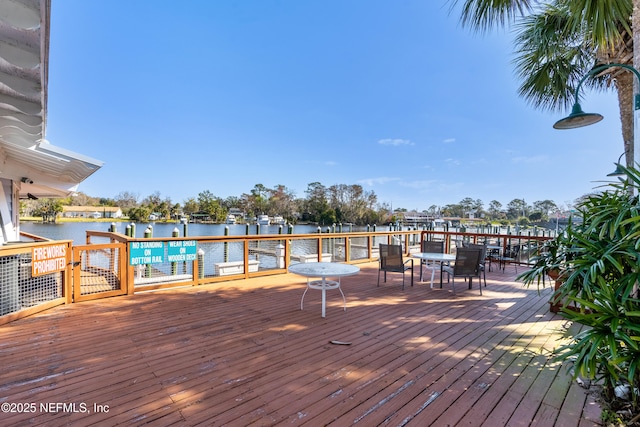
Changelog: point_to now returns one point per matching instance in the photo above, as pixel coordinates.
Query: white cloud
(449, 140)
(419, 184)
(395, 142)
(370, 182)
(424, 184)
(322, 162)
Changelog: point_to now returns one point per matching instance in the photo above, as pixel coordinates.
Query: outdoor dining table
(323, 270)
(495, 248)
(493, 251)
(438, 257)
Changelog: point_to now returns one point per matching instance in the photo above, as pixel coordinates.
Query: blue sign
(146, 253)
(154, 252)
(182, 250)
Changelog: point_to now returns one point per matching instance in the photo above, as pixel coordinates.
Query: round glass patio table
(323, 270)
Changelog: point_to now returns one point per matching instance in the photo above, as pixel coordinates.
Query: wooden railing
(112, 264)
(222, 258)
(527, 243)
(34, 276)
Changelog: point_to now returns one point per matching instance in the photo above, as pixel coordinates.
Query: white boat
(278, 220)
(231, 219)
(263, 220)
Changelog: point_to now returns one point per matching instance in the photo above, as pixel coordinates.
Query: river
(76, 231)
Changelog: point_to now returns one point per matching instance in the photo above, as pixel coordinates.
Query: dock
(242, 353)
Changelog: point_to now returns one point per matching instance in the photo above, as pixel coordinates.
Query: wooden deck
(242, 353)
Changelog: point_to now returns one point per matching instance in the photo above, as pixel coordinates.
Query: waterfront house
(91, 212)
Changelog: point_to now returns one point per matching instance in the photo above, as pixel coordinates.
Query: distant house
(238, 213)
(91, 212)
(415, 217)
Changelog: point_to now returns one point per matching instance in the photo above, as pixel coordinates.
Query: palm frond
(605, 19)
(550, 58)
(483, 15)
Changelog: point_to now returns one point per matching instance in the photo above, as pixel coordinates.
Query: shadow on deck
(242, 353)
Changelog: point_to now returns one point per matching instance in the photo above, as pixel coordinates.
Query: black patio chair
(510, 257)
(430, 246)
(391, 260)
(466, 265)
(482, 264)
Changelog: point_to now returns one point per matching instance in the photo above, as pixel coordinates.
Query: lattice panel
(358, 248)
(221, 258)
(303, 250)
(18, 289)
(335, 247)
(99, 271)
(266, 254)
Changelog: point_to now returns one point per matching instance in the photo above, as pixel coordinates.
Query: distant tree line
(323, 205)
(516, 210)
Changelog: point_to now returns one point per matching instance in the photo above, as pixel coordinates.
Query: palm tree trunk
(624, 85)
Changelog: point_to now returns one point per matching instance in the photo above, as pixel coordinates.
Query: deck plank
(242, 353)
(458, 358)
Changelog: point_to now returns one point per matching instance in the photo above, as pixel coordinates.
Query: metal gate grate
(19, 289)
(97, 271)
(9, 293)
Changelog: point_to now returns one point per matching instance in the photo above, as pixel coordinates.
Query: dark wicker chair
(391, 260)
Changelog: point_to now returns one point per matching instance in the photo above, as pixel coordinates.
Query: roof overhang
(43, 169)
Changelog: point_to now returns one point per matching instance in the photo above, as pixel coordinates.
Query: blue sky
(183, 97)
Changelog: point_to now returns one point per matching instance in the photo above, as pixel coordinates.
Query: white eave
(25, 155)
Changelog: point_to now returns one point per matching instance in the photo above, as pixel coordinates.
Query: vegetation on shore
(83, 219)
(322, 205)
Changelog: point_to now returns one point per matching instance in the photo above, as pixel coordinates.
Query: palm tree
(602, 16)
(551, 61)
(558, 43)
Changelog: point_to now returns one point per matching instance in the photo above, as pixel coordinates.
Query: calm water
(76, 231)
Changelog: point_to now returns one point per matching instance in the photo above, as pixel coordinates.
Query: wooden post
(174, 264)
(200, 263)
(226, 245)
(148, 233)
